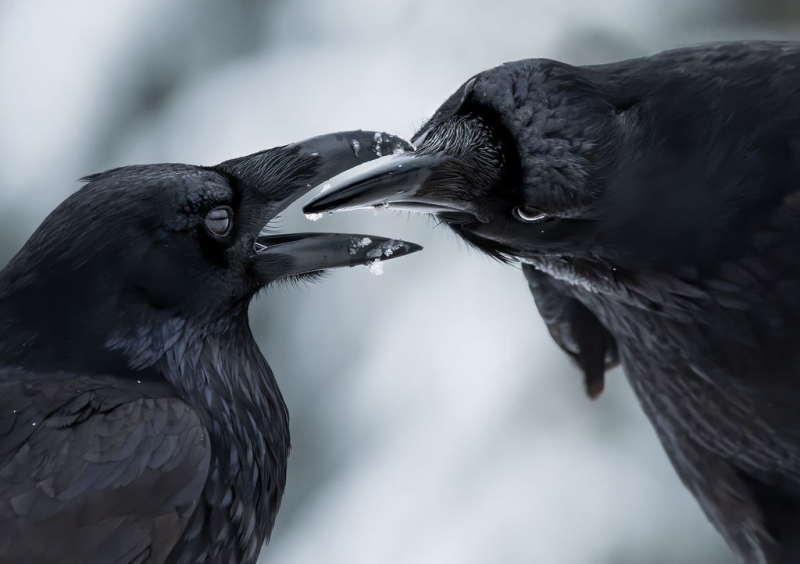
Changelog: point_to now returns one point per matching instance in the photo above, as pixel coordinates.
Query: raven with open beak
(139, 421)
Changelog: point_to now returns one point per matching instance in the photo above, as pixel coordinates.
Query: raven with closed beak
(654, 204)
(139, 421)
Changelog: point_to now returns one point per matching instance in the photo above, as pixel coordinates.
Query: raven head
(508, 173)
(140, 251)
(660, 164)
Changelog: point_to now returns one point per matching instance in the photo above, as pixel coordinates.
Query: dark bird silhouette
(654, 204)
(139, 421)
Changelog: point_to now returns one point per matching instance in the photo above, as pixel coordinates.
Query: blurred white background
(433, 419)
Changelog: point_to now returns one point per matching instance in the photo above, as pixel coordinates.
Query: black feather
(671, 244)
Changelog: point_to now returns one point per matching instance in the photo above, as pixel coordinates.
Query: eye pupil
(218, 220)
(529, 214)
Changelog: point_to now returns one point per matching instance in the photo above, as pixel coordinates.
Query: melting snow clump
(390, 246)
(379, 208)
(356, 244)
(398, 150)
(356, 146)
(376, 267)
(386, 249)
(378, 140)
(379, 251)
(313, 216)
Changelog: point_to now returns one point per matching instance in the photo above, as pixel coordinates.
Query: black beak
(395, 181)
(299, 253)
(285, 255)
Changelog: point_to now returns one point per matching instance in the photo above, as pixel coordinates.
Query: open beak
(394, 181)
(277, 256)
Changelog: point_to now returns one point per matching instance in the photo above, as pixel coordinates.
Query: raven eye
(218, 221)
(529, 214)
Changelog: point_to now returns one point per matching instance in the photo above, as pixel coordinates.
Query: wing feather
(575, 329)
(95, 469)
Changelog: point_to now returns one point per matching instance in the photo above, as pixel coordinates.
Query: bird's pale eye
(218, 221)
(529, 214)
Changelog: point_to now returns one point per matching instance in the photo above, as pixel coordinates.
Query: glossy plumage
(139, 422)
(664, 202)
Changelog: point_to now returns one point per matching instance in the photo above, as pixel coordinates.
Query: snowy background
(433, 419)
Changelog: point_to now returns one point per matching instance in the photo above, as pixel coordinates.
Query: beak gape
(298, 253)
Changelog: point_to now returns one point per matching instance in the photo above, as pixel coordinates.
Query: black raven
(139, 421)
(654, 204)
